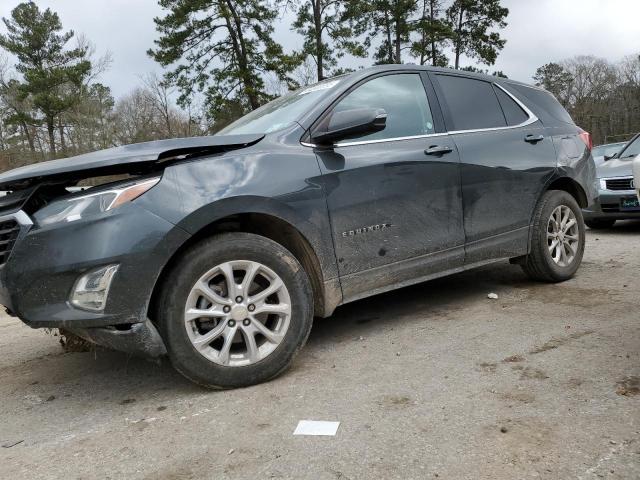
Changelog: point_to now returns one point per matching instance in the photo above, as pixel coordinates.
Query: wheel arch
(565, 184)
(570, 186)
(267, 223)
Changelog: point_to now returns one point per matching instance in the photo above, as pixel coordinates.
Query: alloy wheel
(563, 235)
(237, 313)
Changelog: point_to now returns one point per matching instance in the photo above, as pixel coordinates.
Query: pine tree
(434, 32)
(18, 114)
(52, 74)
(555, 79)
(222, 48)
(326, 37)
(386, 19)
(471, 22)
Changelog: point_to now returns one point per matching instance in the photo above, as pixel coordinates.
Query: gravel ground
(432, 381)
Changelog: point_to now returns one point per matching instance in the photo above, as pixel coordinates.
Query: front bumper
(609, 205)
(137, 339)
(38, 277)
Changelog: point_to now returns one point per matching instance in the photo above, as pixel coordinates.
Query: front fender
(226, 207)
(282, 183)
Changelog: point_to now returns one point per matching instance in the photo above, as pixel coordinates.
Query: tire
(540, 264)
(214, 364)
(599, 223)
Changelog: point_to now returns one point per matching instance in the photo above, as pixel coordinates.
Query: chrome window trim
(532, 119)
(380, 140)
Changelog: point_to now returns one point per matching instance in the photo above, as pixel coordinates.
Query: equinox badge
(370, 228)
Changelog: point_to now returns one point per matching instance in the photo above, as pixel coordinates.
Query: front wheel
(557, 238)
(235, 310)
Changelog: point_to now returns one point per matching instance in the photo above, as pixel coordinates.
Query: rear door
(395, 206)
(506, 160)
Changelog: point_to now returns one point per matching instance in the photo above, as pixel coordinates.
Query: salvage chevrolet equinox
(219, 251)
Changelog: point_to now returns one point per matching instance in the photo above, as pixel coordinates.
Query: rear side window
(514, 114)
(544, 101)
(404, 99)
(472, 103)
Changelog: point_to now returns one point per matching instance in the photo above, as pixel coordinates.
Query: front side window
(472, 103)
(404, 99)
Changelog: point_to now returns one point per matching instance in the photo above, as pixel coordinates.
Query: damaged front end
(137, 338)
(81, 246)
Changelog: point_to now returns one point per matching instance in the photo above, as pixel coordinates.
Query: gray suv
(219, 251)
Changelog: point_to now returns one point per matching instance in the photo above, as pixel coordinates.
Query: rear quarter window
(543, 104)
(514, 114)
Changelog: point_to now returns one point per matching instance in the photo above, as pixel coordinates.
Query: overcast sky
(539, 31)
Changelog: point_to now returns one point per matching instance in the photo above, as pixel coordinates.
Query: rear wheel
(599, 223)
(235, 310)
(557, 239)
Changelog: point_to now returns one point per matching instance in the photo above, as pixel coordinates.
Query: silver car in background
(605, 152)
(617, 199)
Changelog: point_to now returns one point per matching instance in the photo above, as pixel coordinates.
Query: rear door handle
(533, 138)
(438, 150)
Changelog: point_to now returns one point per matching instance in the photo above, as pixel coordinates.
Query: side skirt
(400, 274)
(382, 279)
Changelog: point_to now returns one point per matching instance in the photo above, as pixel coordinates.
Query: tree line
(225, 49)
(221, 60)
(602, 97)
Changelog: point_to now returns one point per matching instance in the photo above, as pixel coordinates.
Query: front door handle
(533, 138)
(438, 150)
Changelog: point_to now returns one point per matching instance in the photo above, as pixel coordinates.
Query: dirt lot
(433, 381)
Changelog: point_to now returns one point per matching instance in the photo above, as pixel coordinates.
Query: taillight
(586, 138)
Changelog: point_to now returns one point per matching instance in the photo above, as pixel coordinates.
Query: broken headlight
(77, 207)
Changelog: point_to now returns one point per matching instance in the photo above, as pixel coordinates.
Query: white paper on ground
(311, 427)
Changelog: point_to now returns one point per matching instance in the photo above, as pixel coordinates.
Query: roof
(429, 68)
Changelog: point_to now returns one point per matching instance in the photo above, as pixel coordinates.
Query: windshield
(608, 150)
(281, 112)
(632, 150)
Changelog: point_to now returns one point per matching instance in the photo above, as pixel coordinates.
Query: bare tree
(161, 95)
(602, 97)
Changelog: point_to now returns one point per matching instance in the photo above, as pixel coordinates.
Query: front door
(394, 196)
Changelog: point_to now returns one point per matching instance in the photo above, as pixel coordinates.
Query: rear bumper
(609, 205)
(38, 278)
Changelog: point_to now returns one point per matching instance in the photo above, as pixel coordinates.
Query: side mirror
(357, 121)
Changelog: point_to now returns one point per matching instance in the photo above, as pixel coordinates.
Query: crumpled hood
(134, 158)
(615, 168)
